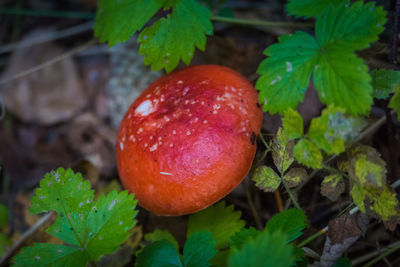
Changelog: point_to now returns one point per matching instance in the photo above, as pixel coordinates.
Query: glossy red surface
(189, 139)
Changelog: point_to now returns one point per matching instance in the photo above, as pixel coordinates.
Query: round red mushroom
(189, 139)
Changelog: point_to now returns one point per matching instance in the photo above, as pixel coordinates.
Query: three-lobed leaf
(175, 37)
(340, 76)
(161, 253)
(158, 235)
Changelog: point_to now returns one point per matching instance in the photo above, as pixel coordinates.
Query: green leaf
(282, 151)
(266, 179)
(62, 191)
(310, 8)
(4, 215)
(381, 202)
(244, 236)
(308, 154)
(395, 102)
(366, 166)
(4, 243)
(267, 249)
(171, 39)
(117, 21)
(293, 124)
(350, 27)
(332, 186)
(333, 128)
(108, 223)
(158, 235)
(341, 78)
(222, 221)
(291, 222)
(43, 254)
(286, 72)
(199, 249)
(70, 196)
(159, 254)
(295, 176)
(384, 82)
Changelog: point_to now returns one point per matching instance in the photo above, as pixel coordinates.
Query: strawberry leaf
(286, 72)
(222, 221)
(44, 254)
(267, 249)
(293, 124)
(282, 151)
(308, 154)
(117, 21)
(159, 254)
(171, 39)
(395, 102)
(199, 249)
(384, 82)
(266, 179)
(310, 8)
(158, 235)
(291, 222)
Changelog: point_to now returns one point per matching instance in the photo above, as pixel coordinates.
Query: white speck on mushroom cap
(145, 108)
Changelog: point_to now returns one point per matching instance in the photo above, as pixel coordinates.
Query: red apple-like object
(189, 139)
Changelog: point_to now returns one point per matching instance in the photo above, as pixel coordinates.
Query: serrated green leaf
(159, 254)
(267, 249)
(286, 72)
(381, 202)
(295, 176)
(310, 8)
(62, 191)
(395, 102)
(350, 27)
(266, 179)
(291, 222)
(44, 254)
(244, 236)
(308, 154)
(108, 223)
(384, 82)
(117, 21)
(293, 124)
(332, 186)
(158, 235)
(222, 221)
(282, 151)
(341, 78)
(171, 39)
(333, 128)
(199, 249)
(70, 196)
(366, 166)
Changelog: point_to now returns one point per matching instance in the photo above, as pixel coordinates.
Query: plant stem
(263, 23)
(292, 197)
(374, 253)
(312, 237)
(383, 255)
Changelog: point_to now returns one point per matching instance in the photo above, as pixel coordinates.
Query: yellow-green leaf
(266, 179)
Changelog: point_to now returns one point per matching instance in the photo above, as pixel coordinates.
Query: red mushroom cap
(189, 139)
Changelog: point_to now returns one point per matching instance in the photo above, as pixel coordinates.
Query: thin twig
(48, 63)
(2, 109)
(374, 253)
(383, 255)
(24, 237)
(51, 36)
